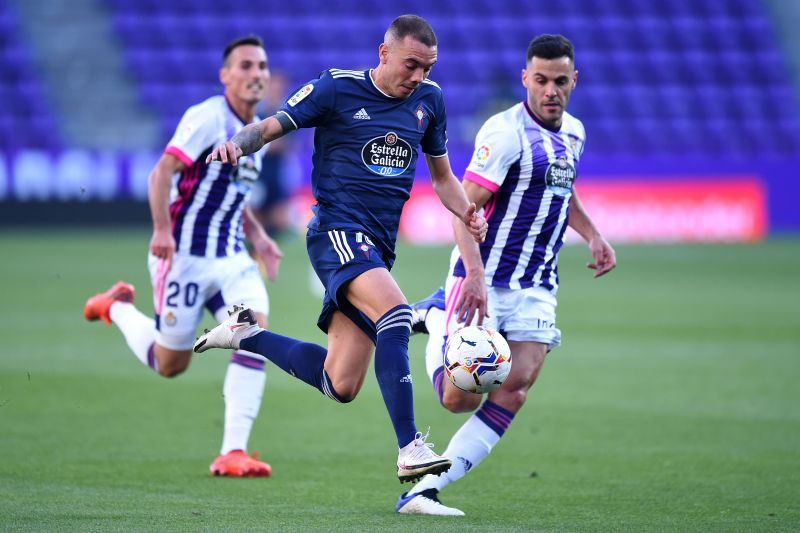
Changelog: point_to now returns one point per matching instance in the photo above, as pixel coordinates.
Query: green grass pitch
(672, 405)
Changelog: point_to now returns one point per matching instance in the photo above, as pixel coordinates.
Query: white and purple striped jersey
(531, 170)
(207, 201)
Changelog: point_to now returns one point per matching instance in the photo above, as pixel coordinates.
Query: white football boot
(240, 324)
(417, 459)
(425, 502)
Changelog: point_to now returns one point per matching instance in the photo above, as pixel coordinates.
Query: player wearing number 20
(197, 253)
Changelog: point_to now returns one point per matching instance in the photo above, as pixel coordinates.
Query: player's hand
(228, 152)
(472, 299)
(270, 254)
(603, 254)
(475, 223)
(162, 245)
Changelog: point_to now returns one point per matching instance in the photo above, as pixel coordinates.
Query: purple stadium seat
(680, 70)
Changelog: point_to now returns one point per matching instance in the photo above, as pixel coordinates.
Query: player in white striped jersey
(522, 172)
(198, 258)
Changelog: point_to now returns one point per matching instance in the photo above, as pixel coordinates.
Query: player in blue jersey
(368, 126)
(197, 255)
(522, 173)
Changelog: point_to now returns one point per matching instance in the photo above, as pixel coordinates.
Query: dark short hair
(253, 40)
(547, 46)
(413, 25)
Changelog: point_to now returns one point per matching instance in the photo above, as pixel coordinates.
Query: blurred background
(690, 106)
(670, 406)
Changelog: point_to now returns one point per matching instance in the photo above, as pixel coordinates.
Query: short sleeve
(582, 146)
(196, 132)
(311, 103)
(497, 147)
(434, 142)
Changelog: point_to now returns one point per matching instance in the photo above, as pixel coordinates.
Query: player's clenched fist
(228, 152)
(476, 224)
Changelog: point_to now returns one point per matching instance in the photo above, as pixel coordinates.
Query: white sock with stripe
(138, 329)
(470, 445)
(243, 390)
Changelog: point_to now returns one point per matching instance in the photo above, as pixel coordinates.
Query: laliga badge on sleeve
(299, 95)
(481, 155)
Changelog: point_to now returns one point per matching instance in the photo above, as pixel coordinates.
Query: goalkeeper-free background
(671, 406)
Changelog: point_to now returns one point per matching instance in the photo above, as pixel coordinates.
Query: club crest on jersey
(364, 248)
(170, 319)
(576, 145)
(299, 95)
(560, 177)
(420, 114)
(387, 155)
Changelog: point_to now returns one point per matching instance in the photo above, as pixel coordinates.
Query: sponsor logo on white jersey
(560, 177)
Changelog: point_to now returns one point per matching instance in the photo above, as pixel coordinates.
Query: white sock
(244, 387)
(435, 322)
(138, 329)
(469, 446)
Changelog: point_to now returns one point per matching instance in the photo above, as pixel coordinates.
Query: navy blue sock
(393, 373)
(303, 360)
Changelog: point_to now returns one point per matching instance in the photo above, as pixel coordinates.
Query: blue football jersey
(365, 149)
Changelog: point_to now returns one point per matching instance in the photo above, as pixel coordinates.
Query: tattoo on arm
(249, 139)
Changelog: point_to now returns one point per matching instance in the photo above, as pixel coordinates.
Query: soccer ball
(477, 359)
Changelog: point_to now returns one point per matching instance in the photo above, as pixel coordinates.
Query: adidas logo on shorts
(361, 114)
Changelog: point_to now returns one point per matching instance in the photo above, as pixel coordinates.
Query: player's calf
(171, 363)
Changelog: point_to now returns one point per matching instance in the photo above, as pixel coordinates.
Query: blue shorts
(338, 257)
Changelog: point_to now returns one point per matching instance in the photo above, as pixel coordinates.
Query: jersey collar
(539, 122)
(235, 114)
(372, 81)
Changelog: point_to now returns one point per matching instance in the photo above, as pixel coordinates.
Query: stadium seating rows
(27, 119)
(672, 76)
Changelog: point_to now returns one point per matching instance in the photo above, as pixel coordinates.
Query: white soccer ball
(477, 359)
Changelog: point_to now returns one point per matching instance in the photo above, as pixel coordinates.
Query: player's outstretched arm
(472, 299)
(265, 248)
(605, 259)
(453, 197)
(162, 243)
(249, 140)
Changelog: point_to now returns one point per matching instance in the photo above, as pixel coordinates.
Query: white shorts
(193, 283)
(523, 315)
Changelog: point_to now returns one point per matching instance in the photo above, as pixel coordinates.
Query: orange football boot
(237, 463)
(99, 306)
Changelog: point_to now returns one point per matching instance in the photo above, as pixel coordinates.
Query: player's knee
(513, 399)
(461, 403)
(346, 391)
(171, 369)
(346, 395)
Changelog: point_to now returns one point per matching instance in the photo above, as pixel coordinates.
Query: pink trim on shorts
(160, 282)
(177, 152)
(450, 304)
(480, 180)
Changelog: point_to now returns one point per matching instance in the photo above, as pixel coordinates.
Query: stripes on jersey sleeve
(340, 73)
